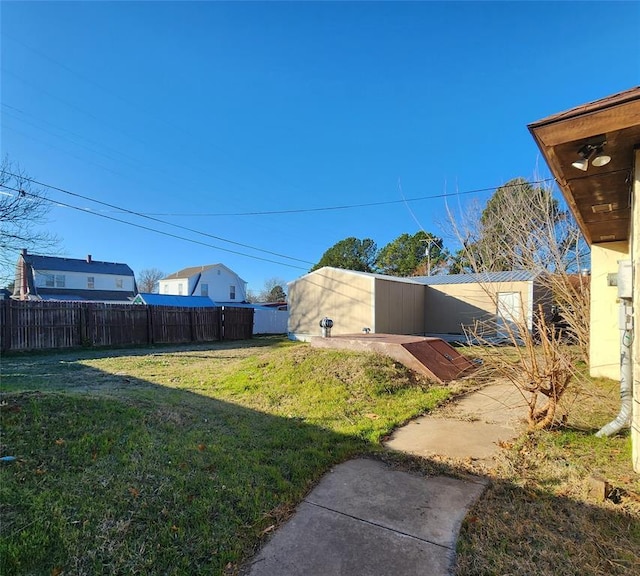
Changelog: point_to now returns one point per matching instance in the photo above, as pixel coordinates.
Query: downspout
(623, 419)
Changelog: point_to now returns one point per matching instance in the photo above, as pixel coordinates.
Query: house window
(91, 284)
(60, 280)
(204, 289)
(180, 289)
(49, 280)
(119, 283)
(232, 292)
(165, 289)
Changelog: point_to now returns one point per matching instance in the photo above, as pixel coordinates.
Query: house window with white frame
(49, 280)
(91, 282)
(60, 281)
(204, 289)
(232, 292)
(119, 283)
(166, 289)
(180, 289)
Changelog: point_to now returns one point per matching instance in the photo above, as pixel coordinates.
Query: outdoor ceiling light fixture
(592, 151)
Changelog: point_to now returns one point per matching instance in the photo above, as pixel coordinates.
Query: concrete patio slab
(430, 509)
(365, 518)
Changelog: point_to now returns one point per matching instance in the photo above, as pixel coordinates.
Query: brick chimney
(88, 258)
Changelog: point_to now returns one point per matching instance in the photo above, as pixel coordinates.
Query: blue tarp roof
(191, 302)
(171, 300)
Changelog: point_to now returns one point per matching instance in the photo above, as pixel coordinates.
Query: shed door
(509, 313)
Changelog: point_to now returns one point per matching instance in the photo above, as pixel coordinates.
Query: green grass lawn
(180, 460)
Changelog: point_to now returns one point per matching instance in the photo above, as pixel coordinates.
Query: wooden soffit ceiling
(599, 197)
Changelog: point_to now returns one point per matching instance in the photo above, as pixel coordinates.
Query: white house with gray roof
(70, 279)
(215, 281)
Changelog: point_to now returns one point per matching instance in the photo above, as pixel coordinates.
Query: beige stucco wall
(344, 296)
(604, 353)
(451, 306)
(635, 247)
(400, 307)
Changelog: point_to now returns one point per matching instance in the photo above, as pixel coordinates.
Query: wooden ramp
(432, 357)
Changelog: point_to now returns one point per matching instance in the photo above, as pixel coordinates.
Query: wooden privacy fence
(36, 325)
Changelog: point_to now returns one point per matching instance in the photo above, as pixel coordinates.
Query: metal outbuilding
(355, 301)
(457, 301)
(425, 305)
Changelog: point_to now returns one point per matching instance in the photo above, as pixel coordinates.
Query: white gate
(270, 321)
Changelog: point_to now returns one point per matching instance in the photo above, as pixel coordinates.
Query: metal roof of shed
(480, 278)
(406, 279)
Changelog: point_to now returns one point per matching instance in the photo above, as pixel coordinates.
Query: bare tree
(523, 227)
(147, 280)
(272, 291)
(23, 211)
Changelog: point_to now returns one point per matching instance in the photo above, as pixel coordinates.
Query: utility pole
(427, 252)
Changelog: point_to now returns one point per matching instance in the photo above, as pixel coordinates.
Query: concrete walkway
(472, 429)
(365, 518)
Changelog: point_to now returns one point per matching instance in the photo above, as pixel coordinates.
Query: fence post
(84, 334)
(149, 324)
(91, 323)
(5, 345)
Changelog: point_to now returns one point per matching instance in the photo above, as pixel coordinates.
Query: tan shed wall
(344, 297)
(604, 353)
(400, 308)
(451, 306)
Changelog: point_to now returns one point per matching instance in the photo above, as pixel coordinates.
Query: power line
(140, 226)
(344, 206)
(140, 215)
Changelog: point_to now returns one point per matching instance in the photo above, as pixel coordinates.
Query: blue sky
(200, 113)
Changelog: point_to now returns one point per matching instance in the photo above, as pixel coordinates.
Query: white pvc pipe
(623, 419)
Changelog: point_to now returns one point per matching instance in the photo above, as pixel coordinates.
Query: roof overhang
(600, 197)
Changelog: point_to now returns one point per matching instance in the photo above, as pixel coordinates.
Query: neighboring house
(175, 301)
(70, 279)
(593, 152)
(411, 305)
(214, 281)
